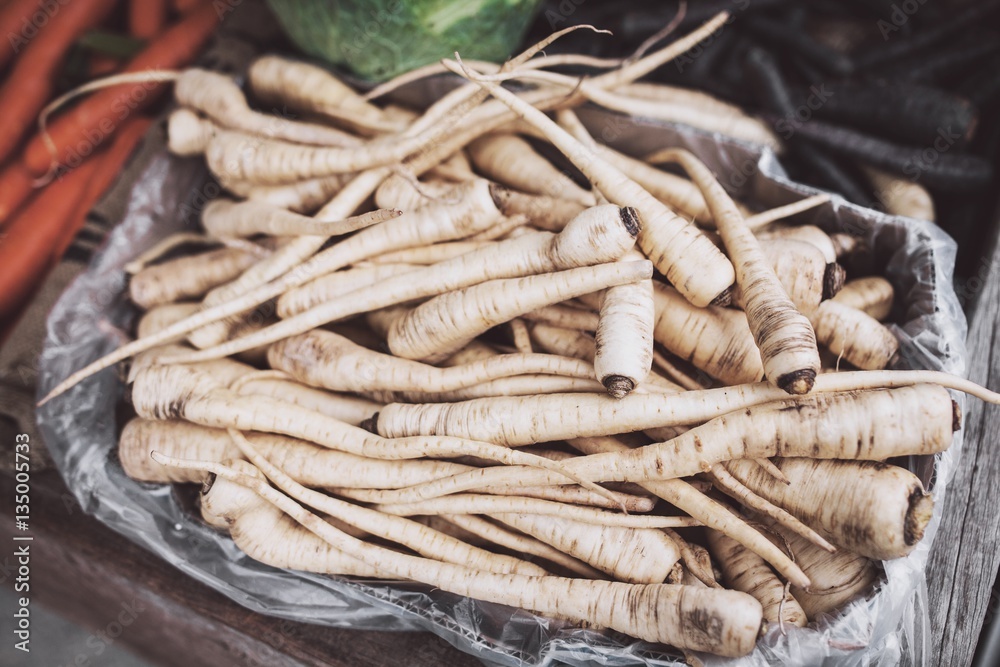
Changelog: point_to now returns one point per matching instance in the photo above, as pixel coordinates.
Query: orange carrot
(110, 165)
(185, 7)
(16, 185)
(93, 120)
(16, 28)
(146, 18)
(28, 244)
(31, 83)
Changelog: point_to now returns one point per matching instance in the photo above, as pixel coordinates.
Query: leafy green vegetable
(378, 39)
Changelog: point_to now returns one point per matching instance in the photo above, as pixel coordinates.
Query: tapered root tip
(833, 280)
(630, 218)
(798, 382)
(618, 386)
(918, 515)
(724, 299)
(956, 417)
(370, 424)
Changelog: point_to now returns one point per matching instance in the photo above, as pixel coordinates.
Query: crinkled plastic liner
(80, 431)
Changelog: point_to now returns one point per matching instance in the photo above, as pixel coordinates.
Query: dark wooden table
(966, 552)
(87, 573)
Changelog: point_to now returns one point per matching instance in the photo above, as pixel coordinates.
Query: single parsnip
(875, 510)
(900, 196)
(810, 234)
(759, 220)
(218, 97)
(429, 254)
(475, 503)
(240, 156)
(546, 418)
(332, 285)
(188, 133)
(624, 336)
(745, 571)
(564, 494)
(626, 554)
(416, 536)
(224, 218)
(675, 191)
(548, 213)
(223, 371)
(159, 318)
(565, 317)
(306, 463)
(302, 197)
(711, 513)
(324, 359)
(517, 385)
(600, 234)
(802, 271)
(305, 87)
(676, 248)
(567, 342)
(738, 126)
(444, 324)
(715, 340)
(174, 392)
(187, 277)
(404, 193)
(786, 339)
(872, 295)
(520, 543)
(887, 422)
(510, 160)
(836, 577)
(347, 408)
(697, 99)
(164, 247)
(729, 621)
(253, 523)
(855, 336)
(477, 350)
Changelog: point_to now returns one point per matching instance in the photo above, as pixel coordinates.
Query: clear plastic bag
(80, 429)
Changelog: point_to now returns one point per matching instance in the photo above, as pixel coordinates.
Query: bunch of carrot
(407, 345)
(50, 179)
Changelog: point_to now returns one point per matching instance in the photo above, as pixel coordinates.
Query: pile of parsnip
(408, 346)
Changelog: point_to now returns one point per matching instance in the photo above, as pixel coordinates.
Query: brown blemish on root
(833, 280)
(956, 417)
(918, 514)
(630, 218)
(618, 386)
(798, 382)
(724, 299)
(499, 194)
